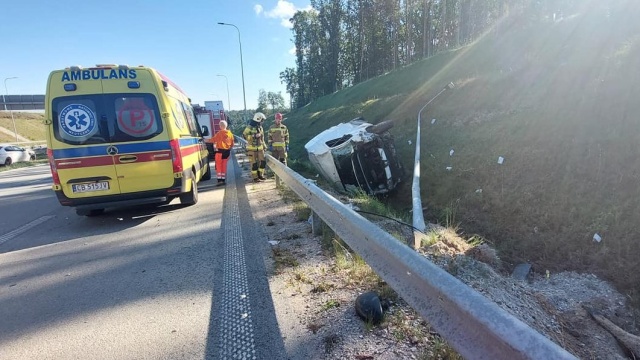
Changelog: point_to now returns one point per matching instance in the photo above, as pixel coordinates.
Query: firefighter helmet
(259, 117)
(278, 116)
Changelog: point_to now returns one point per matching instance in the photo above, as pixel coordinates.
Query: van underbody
(357, 156)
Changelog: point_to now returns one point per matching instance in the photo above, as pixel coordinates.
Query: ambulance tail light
(54, 169)
(176, 156)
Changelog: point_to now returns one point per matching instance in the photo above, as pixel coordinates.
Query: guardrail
(22, 102)
(476, 327)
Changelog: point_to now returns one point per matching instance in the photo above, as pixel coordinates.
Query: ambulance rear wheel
(191, 198)
(90, 213)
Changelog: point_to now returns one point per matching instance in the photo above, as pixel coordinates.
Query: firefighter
(254, 134)
(279, 139)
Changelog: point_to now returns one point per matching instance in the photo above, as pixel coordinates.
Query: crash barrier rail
(419, 225)
(476, 327)
(241, 141)
(22, 102)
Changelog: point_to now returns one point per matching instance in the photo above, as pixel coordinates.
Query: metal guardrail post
(476, 327)
(316, 224)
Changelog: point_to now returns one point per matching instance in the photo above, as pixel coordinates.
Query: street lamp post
(227, 80)
(241, 69)
(15, 130)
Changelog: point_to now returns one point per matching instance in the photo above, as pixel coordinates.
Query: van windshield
(105, 118)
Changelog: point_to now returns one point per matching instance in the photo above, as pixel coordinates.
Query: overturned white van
(357, 155)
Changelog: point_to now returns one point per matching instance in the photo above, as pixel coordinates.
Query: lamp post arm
(244, 97)
(15, 129)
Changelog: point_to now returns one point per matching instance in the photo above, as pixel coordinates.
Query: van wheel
(207, 175)
(190, 198)
(380, 127)
(8, 161)
(89, 213)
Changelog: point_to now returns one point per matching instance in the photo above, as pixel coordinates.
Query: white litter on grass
(449, 168)
(478, 191)
(500, 160)
(451, 152)
(433, 121)
(273, 242)
(409, 141)
(597, 238)
(352, 206)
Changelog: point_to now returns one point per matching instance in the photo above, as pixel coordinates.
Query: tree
(344, 42)
(270, 98)
(263, 101)
(330, 14)
(275, 100)
(289, 77)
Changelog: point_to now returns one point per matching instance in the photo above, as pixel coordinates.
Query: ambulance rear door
(139, 140)
(80, 140)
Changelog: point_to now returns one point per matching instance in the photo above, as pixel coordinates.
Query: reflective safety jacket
(279, 135)
(223, 140)
(254, 136)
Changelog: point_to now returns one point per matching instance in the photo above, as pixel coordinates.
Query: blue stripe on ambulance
(99, 150)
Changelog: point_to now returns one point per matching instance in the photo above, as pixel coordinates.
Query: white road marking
(8, 236)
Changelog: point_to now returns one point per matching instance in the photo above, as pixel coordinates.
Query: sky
(181, 39)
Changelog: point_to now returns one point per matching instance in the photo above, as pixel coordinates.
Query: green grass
(28, 125)
(557, 101)
(23, 164)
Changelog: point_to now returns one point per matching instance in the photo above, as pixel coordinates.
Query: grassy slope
(557, 101)
(28, 125)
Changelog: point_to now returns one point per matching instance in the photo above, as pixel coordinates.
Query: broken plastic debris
(597, 238)
(352, 206)
(409, 141)
(449, 168)
(273, 242)
(433, 121)
(500, 160)
(451, 152)
(478, 191)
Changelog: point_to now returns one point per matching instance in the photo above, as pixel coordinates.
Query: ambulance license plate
(82, 188)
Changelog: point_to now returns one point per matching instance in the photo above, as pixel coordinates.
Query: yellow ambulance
(120, 136)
